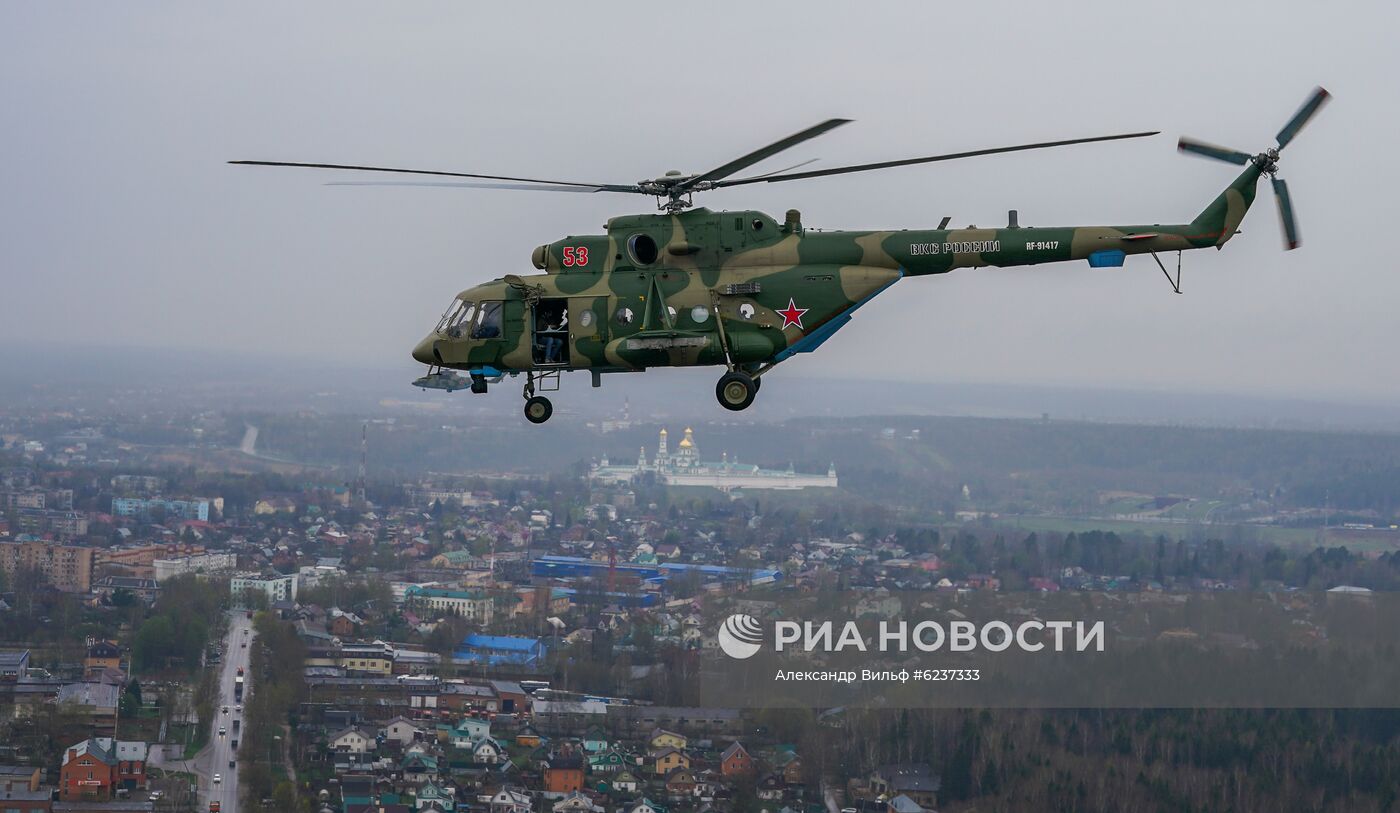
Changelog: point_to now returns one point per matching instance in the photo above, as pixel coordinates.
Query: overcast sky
(120, 223)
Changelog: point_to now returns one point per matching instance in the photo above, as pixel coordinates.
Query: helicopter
(691, 287)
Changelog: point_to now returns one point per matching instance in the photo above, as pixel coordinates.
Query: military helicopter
(693, 287)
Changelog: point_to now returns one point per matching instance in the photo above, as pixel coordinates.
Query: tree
(284, 796)
(153, 649)
(130, 702)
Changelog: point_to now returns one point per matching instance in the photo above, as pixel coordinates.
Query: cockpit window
(488, 325)
(448, 315)
(456, 322)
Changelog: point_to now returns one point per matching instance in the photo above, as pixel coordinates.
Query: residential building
(403, 730)
(201, 563)
(344, 624)
(735, 761)
(62, 524)
(473, 605)
(275, 587)
(160, 509)
(144, 589)
(65, 567)
(564, 773)
(916, 781)
(353, 741)
(661, 738)
(95, 767)
(137, 484)
(102, 655)
(439, 797)
(99, 700)
(511, 800)
(667, 760)
(21, 776)
(576, 802)
(19, 797)
(14, 665)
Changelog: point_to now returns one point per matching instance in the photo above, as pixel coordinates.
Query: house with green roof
(431, 794)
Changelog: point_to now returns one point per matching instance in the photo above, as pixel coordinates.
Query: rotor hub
(1267, 161)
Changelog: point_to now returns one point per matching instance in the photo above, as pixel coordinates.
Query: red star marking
(792, 315)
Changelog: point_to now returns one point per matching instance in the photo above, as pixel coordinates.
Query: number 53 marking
(575, 255)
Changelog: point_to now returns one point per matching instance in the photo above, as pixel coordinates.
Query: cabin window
(488, 325)
(624, 316)
(699, 314)
(642, 249)
(746, 310)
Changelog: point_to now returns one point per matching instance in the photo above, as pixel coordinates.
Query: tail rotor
(1267, 161)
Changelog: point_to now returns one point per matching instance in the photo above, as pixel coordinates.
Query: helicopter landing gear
(537, 407)
(478, 384)
(736, 390)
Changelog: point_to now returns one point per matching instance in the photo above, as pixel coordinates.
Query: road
(215, 758)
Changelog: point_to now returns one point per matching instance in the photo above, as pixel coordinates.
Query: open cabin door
(588, 330)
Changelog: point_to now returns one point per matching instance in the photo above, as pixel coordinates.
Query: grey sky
(120, 223)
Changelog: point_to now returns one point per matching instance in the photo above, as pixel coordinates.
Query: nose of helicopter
(423, 351)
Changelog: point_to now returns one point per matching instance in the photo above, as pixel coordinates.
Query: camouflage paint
(825, 274)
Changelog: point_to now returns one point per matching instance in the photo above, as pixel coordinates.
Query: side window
(488, 325)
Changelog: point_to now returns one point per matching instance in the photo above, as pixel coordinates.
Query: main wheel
(478, 384)
(735, 391)
(538, 409)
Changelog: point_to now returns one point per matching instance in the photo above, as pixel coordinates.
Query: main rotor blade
(1291, 240)
(608, 187)
(725, 170)
(786, 169)
(527, 187)
(1225, 154)
(818, 173)
(1314, 103)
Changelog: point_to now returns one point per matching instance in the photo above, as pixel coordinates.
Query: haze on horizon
(121, 223)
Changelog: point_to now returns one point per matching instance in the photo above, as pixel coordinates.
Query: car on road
(156, 795)
(243, 645)
(238, 708)
(222, 731)
(218, 778)
(234, 745)
(230, 764)
(225, 709)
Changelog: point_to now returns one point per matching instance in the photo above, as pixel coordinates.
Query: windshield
(456, 321)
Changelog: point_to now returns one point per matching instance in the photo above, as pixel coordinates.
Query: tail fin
(1222, 217)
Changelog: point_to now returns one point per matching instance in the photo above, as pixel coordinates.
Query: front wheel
(736, 391)
(538, 409)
